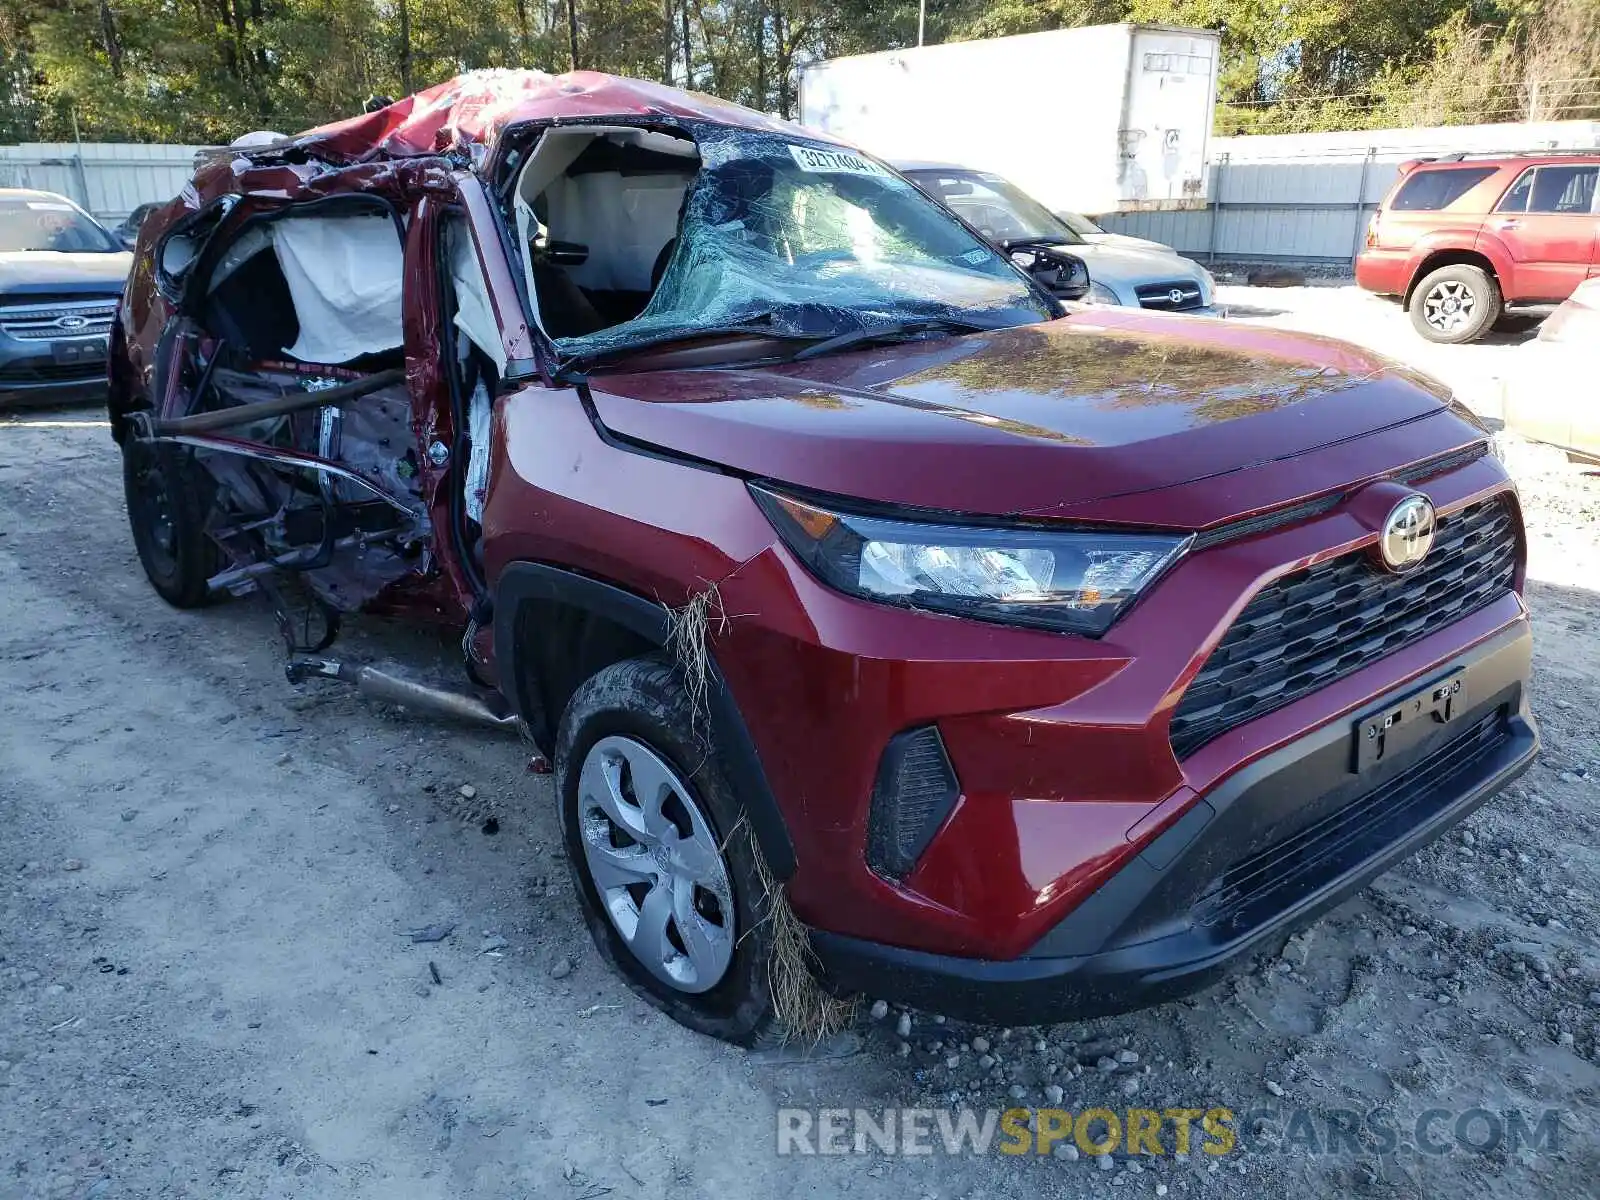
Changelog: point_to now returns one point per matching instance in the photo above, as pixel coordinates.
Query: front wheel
(1455, 304)
(168, 502)
(661, 859)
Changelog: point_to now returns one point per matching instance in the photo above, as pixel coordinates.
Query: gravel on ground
(254, 940)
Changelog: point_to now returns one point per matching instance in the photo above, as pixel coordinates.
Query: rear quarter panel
(1419, 235)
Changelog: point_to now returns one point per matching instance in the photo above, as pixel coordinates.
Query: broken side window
(313, 288)
(297, 305)
(597, 214)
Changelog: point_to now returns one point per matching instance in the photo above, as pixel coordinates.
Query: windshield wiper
(907, 331)
(762, 326)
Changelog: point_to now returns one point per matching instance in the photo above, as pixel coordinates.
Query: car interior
(304, 304)
(597, 212)
(1555, 189)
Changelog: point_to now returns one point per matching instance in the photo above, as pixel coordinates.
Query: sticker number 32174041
(809, 158)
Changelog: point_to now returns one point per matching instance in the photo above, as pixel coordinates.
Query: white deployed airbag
(480, 419)
(623, 220)
(474, 313)
(344, 274)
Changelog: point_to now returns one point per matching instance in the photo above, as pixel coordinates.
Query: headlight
(1073, 581)
(1099, 293)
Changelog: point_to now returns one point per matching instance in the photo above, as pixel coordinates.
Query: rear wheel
(1455, 304)
(168, 500)
(661, 859)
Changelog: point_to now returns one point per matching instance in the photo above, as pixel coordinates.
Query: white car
(1541, 402)
(1149, 276)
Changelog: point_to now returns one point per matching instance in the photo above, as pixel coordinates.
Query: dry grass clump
(686, 642)
(804, 1009)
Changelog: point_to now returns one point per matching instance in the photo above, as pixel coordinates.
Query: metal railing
(1308, 198)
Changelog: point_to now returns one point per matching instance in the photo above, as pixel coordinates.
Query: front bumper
(30, 373)
(1267, 850)
(55, 391)
(54, 350)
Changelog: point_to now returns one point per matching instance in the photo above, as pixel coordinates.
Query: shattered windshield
(789, 240)
(1000, 210)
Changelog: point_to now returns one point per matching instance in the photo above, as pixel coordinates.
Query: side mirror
(1062, 274)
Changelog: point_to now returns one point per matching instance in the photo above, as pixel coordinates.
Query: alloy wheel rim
(1449, 305)
(656, 865)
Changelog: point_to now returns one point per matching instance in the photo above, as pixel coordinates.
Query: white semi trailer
(1104, 118)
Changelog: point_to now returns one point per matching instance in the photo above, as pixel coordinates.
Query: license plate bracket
(79, 352)
(1386, 732)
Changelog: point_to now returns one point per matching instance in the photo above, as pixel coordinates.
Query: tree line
(205, 71)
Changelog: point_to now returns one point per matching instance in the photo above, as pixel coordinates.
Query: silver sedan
(1148, 276)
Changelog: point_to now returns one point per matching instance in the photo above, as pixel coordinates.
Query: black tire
(644, 699)
(1470, 283)
(169, 499)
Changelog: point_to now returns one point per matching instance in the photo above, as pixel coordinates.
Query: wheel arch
(1451, 257)
(555, 628)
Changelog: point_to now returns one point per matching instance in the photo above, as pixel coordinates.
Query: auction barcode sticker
(834, 161)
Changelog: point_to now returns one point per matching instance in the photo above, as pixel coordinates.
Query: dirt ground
(207, 987)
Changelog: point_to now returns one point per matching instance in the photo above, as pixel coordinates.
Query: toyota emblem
(1407, 533)
(71, 322)
(1175, 296)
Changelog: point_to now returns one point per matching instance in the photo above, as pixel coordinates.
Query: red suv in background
(1459, 238)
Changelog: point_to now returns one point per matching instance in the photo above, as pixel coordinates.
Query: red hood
(1096, 406)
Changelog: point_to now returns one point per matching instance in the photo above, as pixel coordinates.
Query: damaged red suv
(1043, 661)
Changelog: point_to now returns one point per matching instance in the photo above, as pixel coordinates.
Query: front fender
(524, 582)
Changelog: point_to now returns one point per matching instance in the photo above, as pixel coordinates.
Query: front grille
(56, 322)
(1314, 626)
(1176, 296)
(1279, 876)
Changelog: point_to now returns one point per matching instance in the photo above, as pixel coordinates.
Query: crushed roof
(474, 108)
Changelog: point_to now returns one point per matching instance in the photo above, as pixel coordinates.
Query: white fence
(1306, 197)
(108, 179)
